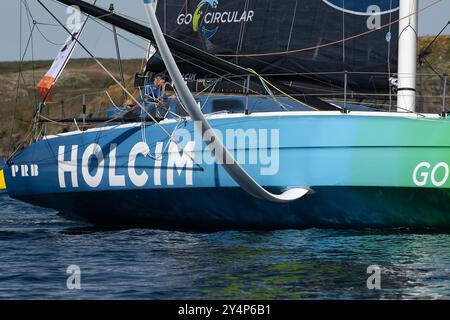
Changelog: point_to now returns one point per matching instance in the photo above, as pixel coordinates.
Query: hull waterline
(210, 209)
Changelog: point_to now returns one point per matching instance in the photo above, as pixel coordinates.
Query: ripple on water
(37, 246)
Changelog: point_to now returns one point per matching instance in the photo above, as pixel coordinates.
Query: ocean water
(37, 246)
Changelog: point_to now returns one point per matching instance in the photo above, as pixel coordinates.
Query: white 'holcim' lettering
(67, 166)
(93, 150)
(176, 161)
(180, 161)
(139, 180)
(114, 180)
(158, 160)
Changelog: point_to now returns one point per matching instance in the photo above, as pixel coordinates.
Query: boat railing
(348, 88)
(95, 108)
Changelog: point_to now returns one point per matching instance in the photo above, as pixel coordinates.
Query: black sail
(195, 56)
(286, 39)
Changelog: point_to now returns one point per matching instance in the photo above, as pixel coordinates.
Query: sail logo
(364, 7)
(207, 18)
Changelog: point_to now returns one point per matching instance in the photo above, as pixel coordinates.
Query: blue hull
(357, 178)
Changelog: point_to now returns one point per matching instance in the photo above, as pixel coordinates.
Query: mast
(226, 159)
(407, 55)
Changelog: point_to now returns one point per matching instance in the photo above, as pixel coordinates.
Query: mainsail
(60, 62)
(193, 55)
(286, 39)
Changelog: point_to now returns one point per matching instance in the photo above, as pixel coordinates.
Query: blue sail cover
(285, 38)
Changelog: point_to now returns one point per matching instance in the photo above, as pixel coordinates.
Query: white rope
(112, 102)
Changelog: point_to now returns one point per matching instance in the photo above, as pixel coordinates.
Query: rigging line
(367, 104)
(24, 140)
(184, 59)
(179, 100)
(242, 31)
(210, 92)
(67, 57)
(87, 93)
(111, 120)
(18, 79)
(212, 85)
(283, 68)
(33, 66)
(176, 44)
(292, 25)
(389, 55)
(187, 60)
(279, 90)
(432, 68)
(326, 73)
(343, 35)
(98, 135)
(332, 88)
(332, 42)
(47, 39)
(29, 132)
(409, 26)
(122, 87)
(423, 51)
(271, 94)
(20, 76)
(37, 27)
(76, 38)
(196, 65)
(179, 57)
(307, 75)
(47, 24)
(55, 122)
(112, 102)
(292, 72)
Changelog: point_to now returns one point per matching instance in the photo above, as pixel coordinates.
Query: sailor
(155, 97)
(156, 90)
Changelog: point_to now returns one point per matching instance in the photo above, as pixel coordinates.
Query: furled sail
(60, 62)
(285, 38)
